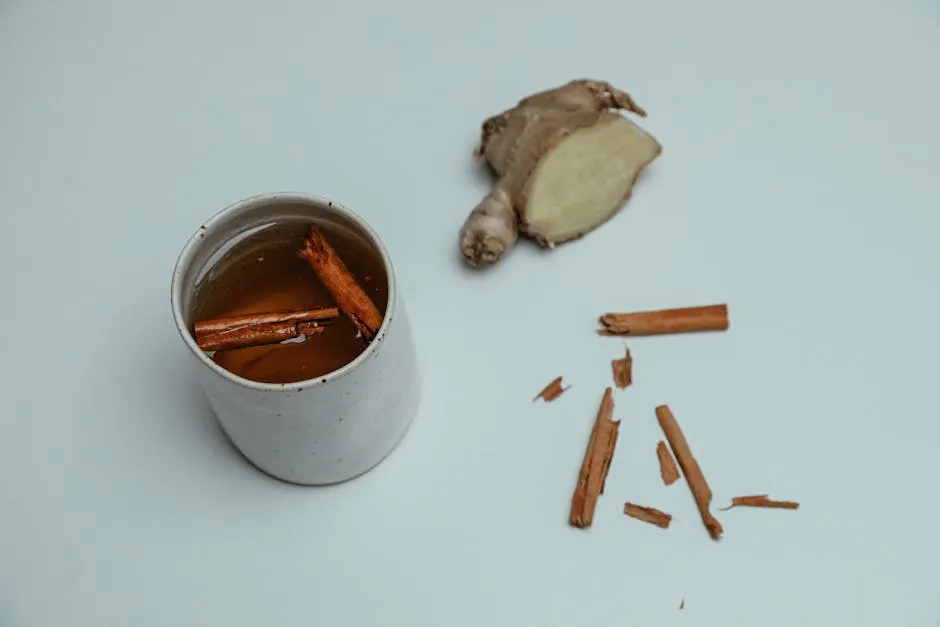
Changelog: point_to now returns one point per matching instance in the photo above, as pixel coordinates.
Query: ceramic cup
(319, 431)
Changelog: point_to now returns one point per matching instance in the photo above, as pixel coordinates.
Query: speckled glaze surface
(320, 431)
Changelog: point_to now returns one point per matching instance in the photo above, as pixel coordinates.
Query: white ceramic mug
(313, 432)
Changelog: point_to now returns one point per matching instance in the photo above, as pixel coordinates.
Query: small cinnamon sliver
(666, 321)
(648, 514)
(623, 370)
(596, 464)
(667, 464)
(310, 328)
(551, 391)
(760, 500)
(342, 285)
(690, 468)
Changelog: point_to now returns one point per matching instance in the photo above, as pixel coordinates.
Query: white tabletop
(797, 183)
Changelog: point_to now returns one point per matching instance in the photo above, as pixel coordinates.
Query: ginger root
(566, 162)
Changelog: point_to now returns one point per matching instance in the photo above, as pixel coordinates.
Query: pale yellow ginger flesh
(566, 162)
(585, 179)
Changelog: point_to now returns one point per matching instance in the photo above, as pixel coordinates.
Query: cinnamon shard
(690, 468)
(310, 328)
(667, 464)
(596, 464)
(664, 321)
(342, 285)
(648, 514)
(760, 500)
(623, 370)
(551, 391)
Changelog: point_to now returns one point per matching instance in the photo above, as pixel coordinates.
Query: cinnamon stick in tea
(665, 321)
(257, 335)
(667, 464)
(623, 370)
(342, 285)
(648, 514)
(760, 500)
(596, 464)
(551, 391)
(260, 329)
(207, 327)
(690, 468)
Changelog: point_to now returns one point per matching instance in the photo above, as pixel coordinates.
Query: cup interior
(205, 255)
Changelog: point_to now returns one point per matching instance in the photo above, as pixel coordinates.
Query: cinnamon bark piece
(648, 514)
(667, 464)
(690, 468)
(623, 370)
(760, 500)
(551, 391)
(666, 321)
(596, 464)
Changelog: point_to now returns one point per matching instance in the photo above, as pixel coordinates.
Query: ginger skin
(566, 161)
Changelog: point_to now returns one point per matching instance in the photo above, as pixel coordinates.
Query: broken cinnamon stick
(648, 514)
(667, 464)
(342, 285)
(551, 391)
(664, 321)
(596, 464)
(623, 370)
(257, 335)
(259, 329)
(760, 500)
(217, 325)
(690, 468)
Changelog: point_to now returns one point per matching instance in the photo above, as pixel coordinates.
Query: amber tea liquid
(262, 273)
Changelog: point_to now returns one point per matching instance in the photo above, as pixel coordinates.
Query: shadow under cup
(318, 431)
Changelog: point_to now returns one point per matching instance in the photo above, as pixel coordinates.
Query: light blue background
(798, 184)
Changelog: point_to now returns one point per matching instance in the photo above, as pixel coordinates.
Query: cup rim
(185, 258)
